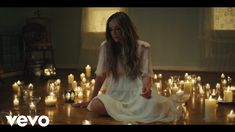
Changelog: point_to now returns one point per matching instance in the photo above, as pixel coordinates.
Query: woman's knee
(98, 107)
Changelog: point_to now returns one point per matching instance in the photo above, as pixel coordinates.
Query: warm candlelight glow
(86, 122)
(231, 116)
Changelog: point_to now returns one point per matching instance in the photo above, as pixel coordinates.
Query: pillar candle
(15, 87)
(50, 100)
(82, 75)
(187, 86)
(88, 71)
(228, 95)
(70, 78)
(74, 84)
(231, 116)
(210, 110)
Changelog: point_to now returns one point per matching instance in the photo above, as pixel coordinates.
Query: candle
(74, 84)
(57, 82)
(180, 93)
(220, 99)
(88, 71)
(86, 122)
(50, 100)
(32, 106)
(80, 95)
(70, 78)
(16, 101)
(93, 82)
(15, 87)
(175, 89)
(198, 79)
(155, 77)
(188, 86)
(160, 76)
(224, 82)
(222, 75)
(228, 95)
(82, 75)
(67, 96)
(231, 116)
(210, 110)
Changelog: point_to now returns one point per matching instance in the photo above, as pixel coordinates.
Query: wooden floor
(63, 113)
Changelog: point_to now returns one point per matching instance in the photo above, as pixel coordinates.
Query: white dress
(122, 98)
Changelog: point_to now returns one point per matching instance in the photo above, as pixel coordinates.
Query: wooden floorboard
(64, 114)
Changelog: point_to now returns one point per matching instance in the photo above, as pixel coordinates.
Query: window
(223, 18)
(94, 24)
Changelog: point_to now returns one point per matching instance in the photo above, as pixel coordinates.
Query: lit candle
(16, 101)
(67, 96)
(187, 86)
(155, 77)
(32, 106)
(93, 82)
(210, 110)
(47, 72)
(88, 71)
(15, 87)
(220, 99)
(180, 93)
(58, 81)
(82, 75)
(228, 95)
(80, 95)
(86, 122)
(224, 82)
(222, 75)
(231, 116)
(74, 84)
(198, 79)
(175, 89)
(70, 78)
(50, 100)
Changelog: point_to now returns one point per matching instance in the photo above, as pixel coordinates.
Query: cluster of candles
(50, 71)
(53, 88)
(191, 84)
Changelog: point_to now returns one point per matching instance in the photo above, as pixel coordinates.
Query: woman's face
(115, 30)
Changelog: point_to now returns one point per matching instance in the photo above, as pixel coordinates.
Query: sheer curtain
(217, 36)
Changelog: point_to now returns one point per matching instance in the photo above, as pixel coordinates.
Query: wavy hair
(129, 37)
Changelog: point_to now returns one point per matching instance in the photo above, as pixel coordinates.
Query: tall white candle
(210, 110)
(70, 78)
(88, 71)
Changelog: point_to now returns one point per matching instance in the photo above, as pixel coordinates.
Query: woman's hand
(81, 105)
(146, 92)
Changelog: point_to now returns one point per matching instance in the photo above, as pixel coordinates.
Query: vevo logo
(23, 120)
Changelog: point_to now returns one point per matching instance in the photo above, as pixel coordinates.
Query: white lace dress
(122, 99)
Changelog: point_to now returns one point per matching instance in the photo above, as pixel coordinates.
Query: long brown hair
(129, 44)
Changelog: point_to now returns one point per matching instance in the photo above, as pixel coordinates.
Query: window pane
(224, 18)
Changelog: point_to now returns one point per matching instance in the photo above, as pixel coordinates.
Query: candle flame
(231, 112)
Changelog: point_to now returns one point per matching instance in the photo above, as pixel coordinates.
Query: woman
(125, 65)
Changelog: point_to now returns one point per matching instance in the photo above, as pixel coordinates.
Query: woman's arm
(147, 84)
(99, 80)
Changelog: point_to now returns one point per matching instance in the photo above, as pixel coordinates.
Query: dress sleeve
(147, 69)
(100, 69)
